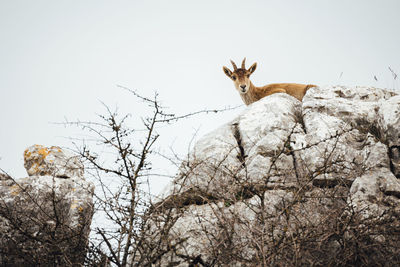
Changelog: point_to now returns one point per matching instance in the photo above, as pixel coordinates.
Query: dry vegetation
(311, 224)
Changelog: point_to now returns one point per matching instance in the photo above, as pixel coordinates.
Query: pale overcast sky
(60, 58)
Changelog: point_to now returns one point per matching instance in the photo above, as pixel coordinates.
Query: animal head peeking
(241, 76)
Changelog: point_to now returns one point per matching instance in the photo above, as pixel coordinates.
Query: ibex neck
(250, 96)
(252, 87)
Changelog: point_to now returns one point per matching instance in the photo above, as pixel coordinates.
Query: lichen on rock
(45, 218)
(53, 161)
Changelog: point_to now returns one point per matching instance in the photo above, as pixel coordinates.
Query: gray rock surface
(45, 218)
(281, 166)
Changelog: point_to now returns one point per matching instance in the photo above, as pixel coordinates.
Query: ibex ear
(227, 72)
(253, 68)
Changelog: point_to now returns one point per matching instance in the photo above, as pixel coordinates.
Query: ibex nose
(243, 86)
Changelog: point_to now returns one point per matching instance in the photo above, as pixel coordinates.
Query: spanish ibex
(251, 93)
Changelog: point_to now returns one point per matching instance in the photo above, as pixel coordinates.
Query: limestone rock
(281, 167)
(54, 161)
(375, 194)
(45, 220)
(219, 159)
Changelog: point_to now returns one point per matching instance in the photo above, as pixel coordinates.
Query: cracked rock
(341, 142)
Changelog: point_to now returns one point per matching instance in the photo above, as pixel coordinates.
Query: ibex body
(251, 93)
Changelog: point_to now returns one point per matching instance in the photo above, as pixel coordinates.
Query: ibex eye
(248, 75)
(234, 77)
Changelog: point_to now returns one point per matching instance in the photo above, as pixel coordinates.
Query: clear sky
(61, 58)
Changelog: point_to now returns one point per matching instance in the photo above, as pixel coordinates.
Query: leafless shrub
(122, 198)
(310, 224)
(37, 229)
(290, 217)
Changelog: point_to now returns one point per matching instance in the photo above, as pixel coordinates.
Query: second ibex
(251, 93)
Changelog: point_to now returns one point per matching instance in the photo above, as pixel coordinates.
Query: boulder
(53, 161)
(45, 218)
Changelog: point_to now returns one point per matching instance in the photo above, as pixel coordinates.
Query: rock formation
(288, 182)
(45, 218)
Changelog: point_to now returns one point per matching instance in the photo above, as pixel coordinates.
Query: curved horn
(243, 62)
(234, 65)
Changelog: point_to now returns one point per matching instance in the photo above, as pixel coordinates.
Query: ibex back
(251, 93)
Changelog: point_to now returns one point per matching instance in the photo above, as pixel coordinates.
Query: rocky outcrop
(285, 170)
(45, 218)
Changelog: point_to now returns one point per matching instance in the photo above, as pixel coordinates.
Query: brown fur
(251, 93)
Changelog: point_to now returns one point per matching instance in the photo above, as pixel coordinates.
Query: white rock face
(371, 192)
(54, 206)
(217, 161)
(341, 142)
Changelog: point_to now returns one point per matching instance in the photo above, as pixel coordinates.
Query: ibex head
(240, 77)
